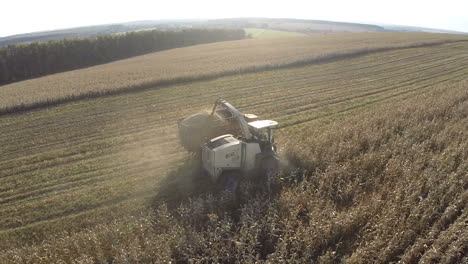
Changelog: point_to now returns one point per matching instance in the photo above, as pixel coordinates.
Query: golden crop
(375, 159)
(203, 61)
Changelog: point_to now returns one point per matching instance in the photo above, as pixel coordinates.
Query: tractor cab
(263, 130)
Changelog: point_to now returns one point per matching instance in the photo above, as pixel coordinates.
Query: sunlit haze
(21, 16)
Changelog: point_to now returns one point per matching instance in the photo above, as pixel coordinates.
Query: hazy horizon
(52, 14)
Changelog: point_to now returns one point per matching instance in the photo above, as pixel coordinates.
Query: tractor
(231, 145)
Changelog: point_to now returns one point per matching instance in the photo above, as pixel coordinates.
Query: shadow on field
(182, 183)
(197, 205)
(187, 182)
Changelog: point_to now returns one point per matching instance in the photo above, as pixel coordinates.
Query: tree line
(24, 61)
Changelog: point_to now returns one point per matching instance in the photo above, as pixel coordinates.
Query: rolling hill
(282, 24)
(268, 33)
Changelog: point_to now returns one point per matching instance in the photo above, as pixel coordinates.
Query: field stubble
(203, 62)
(95, 163)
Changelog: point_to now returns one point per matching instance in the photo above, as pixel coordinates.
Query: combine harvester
(231, 144)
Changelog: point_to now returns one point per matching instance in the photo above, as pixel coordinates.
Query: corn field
(374, 151)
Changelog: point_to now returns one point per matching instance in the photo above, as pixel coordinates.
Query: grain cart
(235, 144)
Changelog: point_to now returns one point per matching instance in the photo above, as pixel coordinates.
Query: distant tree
(24, 61)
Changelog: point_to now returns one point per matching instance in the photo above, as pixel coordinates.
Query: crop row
(383, 184)
(204, 62)
(88, 155)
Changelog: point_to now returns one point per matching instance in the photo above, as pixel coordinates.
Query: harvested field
(260, 33)
(202, 62)
(99, 163)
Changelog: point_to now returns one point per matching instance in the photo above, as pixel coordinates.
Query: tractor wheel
(270, 170)
(230, 181)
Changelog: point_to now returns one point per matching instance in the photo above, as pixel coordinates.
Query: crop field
(204, 62)
(259, 33)
(374, 146)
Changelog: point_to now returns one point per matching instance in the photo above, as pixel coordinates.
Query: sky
(23, 16)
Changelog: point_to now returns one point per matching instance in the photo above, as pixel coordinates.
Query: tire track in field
(73, 212)
(45, 123)
(336, 100)
(292, 63)
(109, 158)
(412, 51)
(109, 209)
(127, 135)
(319, 106)
(248, 88)
(105, 158)
(97, 139)
(334, 71)
(141, 174)
(277, 107)
(127, 149)
(405, 92)
(138, 173)
(280, 99)
(265, 84)
(257, 86)
(48, 124)
(340, 88)
(153, 125)
(365, 104)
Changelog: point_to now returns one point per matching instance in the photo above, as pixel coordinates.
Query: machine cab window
(263, 129)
